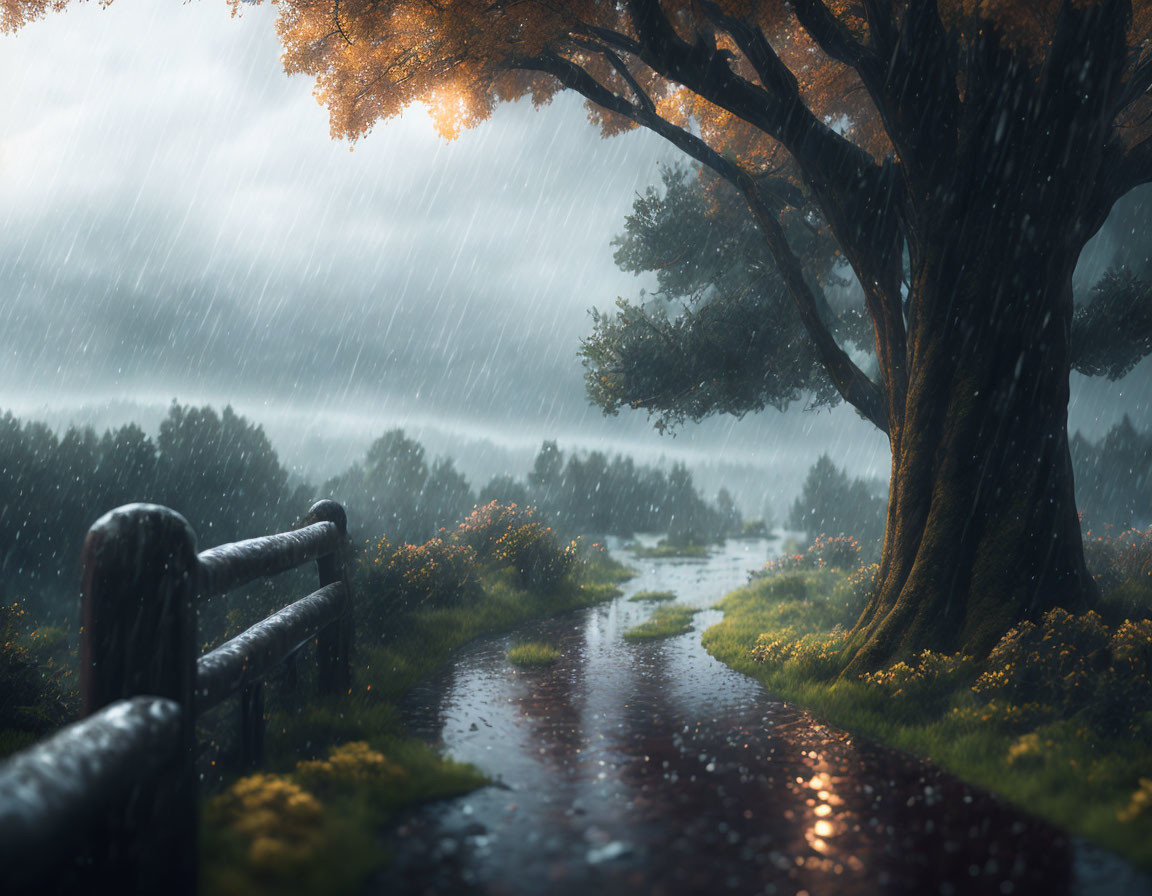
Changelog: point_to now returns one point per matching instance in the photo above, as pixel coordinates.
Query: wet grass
(641, 597)
(291, 830)
(533, 654)
(666, 622)
(1067, 771)
(313, 829)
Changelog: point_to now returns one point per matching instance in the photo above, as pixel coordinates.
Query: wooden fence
(113, 798)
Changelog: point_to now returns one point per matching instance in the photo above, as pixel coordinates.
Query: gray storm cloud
(175, 220)
(182, 218)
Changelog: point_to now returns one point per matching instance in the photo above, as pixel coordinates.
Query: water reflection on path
(652, 768)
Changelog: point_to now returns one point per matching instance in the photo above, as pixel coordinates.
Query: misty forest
(517, 447)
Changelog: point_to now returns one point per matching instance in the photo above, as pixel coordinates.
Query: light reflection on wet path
(652, 768)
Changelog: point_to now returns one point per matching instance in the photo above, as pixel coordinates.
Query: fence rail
(247, 658)
(119, 787)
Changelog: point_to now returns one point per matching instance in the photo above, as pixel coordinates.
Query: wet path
(652, 768)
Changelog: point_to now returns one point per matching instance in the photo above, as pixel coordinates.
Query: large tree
(985, 141)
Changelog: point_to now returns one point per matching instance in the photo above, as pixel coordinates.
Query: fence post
(139, 638)
(334, 643)
(252, 725)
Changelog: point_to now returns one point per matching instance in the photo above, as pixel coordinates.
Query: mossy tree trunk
(982, 527)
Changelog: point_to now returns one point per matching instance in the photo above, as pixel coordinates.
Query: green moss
(1066, 771)
(652, 596)
(533, 653)
(666, 622)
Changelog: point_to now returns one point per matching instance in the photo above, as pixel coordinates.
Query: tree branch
(1138, 83)
(830, 33)
(913, 84)
(875, 260)
(851, 382)
(770, 69)
(882, 26)
(623, 71)
(833, 166)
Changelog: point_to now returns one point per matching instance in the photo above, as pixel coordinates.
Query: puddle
(652, 768)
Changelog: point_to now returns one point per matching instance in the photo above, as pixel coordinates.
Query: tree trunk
(982, 525)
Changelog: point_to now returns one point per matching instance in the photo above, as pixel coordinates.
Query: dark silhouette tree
(1114, 477)
(385, 493)
(546, 477)
(504, 489)
(447, 497)
(832, 504)
(221, 472)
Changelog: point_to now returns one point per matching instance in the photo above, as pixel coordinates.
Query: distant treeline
(396, 491)
(220, 471)
(1114, 477)
(1113, 490)
(217, 469)
(831, 503)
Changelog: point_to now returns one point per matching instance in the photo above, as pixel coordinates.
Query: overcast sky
(175, 221)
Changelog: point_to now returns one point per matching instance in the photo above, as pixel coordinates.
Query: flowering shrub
(1116, 560)
(349, 767)
(485, 526)
(1134, 555)
(1028, 749)
(826, 552)
(815, 655)
(538, 560)
(281, 824)
(929, 675)
(854, 592)
(30, 694)
(443, 572)
(1053, 661)
(1122, 567)
(1074, 664)
(438, 573)
(1141, 803)
(1131, 650)
(773, 648)
(1002, 714)
(512, 535)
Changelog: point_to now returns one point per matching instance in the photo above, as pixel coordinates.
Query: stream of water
(652, 768)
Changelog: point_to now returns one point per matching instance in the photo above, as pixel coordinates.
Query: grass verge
(533, 654)
(1086, 772)
(666, 622)
(641, 597)
(309, 824)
